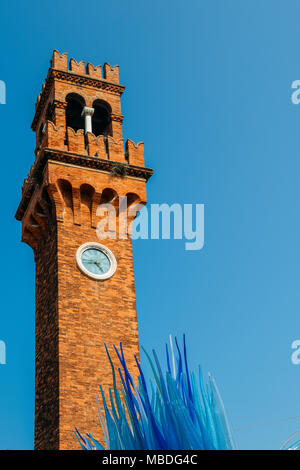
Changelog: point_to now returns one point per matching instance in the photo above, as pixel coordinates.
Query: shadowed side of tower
(85, 294)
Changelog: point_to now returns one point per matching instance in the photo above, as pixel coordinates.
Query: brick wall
(76, 315)
(90, 313)
(46, 344)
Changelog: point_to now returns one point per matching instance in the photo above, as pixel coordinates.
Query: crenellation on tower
(94, 72)
(111, 73)
(77, 67)
(105, 147)
(60, 62)
(135, 152)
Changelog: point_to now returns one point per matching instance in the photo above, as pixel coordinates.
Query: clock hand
(96, 262)
(99, 265)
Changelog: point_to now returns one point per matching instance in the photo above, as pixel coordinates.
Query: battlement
(105, 147)
(89, 81)
(134, 153)
(108, 72)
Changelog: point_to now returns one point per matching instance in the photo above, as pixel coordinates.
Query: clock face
(96, 261)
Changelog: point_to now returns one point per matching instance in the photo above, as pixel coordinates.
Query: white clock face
(96, 261)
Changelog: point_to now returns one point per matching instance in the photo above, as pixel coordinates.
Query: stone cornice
(96, 163)
(72, 77)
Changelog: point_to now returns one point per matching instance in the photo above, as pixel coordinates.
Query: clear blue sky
(208, 91)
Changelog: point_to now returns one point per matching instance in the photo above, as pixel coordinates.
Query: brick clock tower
(85, 294)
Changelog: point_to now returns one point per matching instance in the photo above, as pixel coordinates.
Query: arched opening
(86, 198)
(75, 104)
(65, 188)
(108, 196)
(101, 121)
(132, 198)
(47, 203)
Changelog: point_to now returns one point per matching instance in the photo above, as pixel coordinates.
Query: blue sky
(208, 91)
